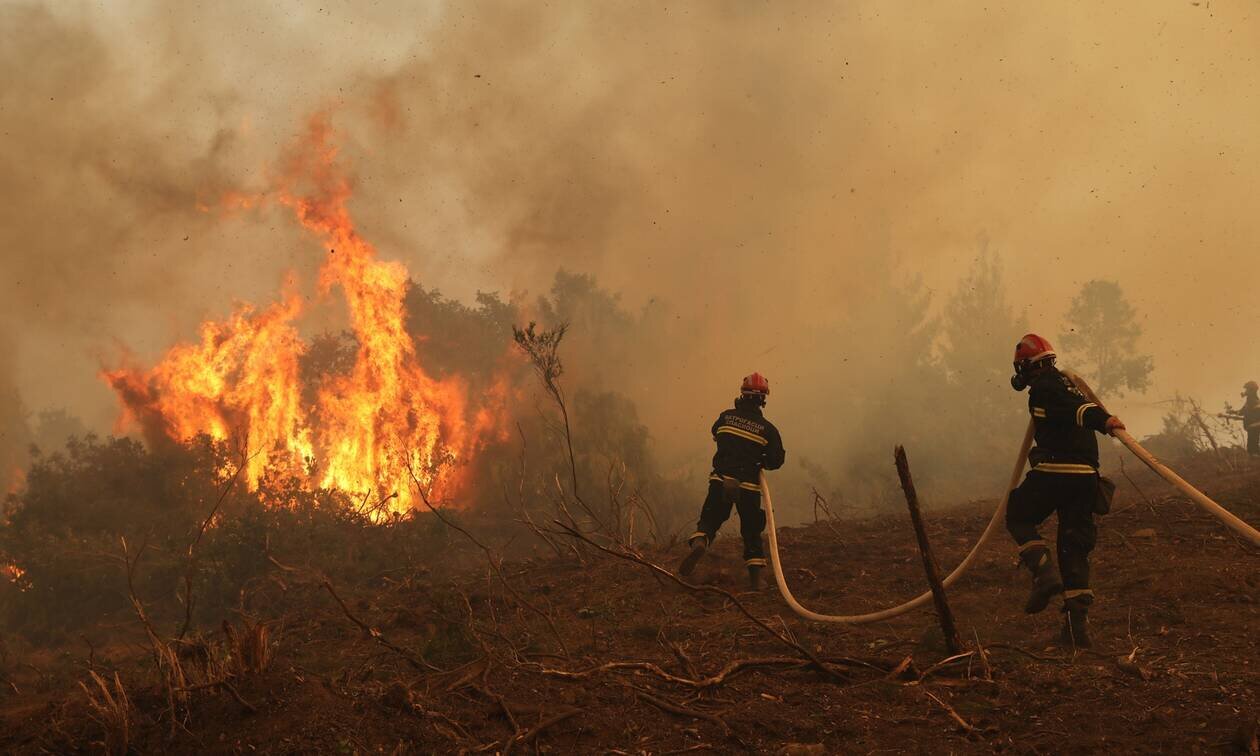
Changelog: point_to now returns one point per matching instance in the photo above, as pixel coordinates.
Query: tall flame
(370, 429)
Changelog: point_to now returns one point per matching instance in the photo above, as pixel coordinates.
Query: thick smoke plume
(782, 187)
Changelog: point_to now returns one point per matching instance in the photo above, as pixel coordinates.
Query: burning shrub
(458, 339)
(375, 420)
(64, 527)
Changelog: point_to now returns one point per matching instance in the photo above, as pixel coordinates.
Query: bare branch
(810, 656)
(192, 547)
(495, 562)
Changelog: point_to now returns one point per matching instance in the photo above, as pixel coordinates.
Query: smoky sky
(755, 174)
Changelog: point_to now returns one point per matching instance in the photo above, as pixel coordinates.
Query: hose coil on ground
(1195, 495)
(861, 619)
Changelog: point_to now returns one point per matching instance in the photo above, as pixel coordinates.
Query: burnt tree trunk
(952, 639)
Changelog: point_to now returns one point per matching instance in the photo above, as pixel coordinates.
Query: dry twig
(730, 670)
(626, 555)
(496, 563)
(191, 568)
(375, 634)
(528, 737)
(967, 726)
(680, 710)
(223, 685)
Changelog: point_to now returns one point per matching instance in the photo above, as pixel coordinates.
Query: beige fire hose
(924, 598)
(1148, 459)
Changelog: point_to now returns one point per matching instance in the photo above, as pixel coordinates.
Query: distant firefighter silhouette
(1249, 413)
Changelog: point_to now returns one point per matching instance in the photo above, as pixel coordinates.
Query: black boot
(754, 577)
(1046, 581)
(755, 566)
(1075, 624)
(699, 544)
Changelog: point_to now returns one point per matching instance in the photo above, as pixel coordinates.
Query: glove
(1114, 424)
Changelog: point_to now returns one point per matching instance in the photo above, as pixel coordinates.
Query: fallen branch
(375, 634)
(727, 672)
(1149, 504)
(528, 737)
(495, 562)
(899, 671)
(674, 708)
(1029, 654)
(628, 556)
(224, 685)
(1130, 665)
(684, 661)
(943, 663)
(967, 726)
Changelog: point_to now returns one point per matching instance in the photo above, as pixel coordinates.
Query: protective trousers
(752, 520)
(1253, 441)
(1073, 496)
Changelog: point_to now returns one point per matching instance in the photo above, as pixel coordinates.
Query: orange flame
(17, 479)
(369, 429)
(13, 574)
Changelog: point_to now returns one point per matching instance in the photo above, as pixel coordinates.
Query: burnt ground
(473, 666)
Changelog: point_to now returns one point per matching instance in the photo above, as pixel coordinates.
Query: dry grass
(112, 710)
(249, 648)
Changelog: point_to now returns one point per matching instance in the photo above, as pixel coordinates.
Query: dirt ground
(607, 656)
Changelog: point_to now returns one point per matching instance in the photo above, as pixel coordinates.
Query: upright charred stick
(952, 640)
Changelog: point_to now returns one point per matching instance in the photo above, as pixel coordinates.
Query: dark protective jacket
(1251, 412)
(1065, 425)
(747, 443)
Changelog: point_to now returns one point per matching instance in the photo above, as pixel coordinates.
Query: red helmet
(1031, 352)
(1032, 348)
(755, 384)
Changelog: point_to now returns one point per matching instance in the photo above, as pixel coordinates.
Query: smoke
(14, 430)
(120, 124)
(764, 185)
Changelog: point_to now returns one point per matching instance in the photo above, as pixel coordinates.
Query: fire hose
(861, 619)
(995, 523)
(1148, 459)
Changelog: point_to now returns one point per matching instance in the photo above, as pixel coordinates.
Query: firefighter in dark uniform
(1063, 478)
(747, 443)
(1250, 416)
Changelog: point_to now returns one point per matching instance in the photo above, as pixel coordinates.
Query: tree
(15, 436)
(1103, 334)
(54, 427)
(895, 379)
(981, 327)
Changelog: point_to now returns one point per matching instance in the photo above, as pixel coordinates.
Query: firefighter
(747, 443)
(1251, 416)
(1063, 478)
